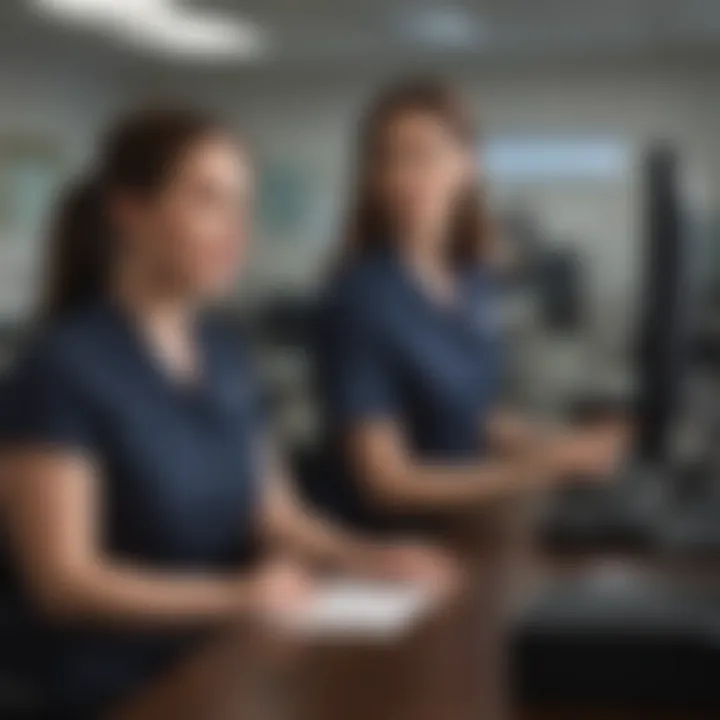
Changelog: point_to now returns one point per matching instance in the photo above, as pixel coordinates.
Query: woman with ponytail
(144, 497)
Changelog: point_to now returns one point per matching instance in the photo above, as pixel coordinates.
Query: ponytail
(79, 250)
(139, 156)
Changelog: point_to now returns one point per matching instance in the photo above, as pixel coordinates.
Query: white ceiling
(316, 33)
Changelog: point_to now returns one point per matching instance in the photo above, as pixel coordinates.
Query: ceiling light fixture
(100, 12)
(162, 26)
(447, 27)
(196, 35)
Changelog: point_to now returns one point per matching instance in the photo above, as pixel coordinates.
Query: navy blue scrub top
(178, 466)
(388, 350)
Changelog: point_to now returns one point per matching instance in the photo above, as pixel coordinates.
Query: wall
(305, 120)
(61, 106)
(312, 118)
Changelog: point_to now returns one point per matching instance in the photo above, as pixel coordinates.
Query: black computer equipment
(620, 638)
(631, 510)
(623, 635)
(663, 330)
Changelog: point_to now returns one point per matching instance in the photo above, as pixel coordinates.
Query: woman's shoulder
(364, 287)
(48, 388)
(66, 347)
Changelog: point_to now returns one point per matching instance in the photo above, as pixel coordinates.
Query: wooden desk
(422, 676)
(250, 676)
(449, 668)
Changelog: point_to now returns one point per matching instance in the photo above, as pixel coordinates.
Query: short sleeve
(45, 406)
(358, 377)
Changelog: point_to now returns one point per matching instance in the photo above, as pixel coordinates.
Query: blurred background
(599, 149)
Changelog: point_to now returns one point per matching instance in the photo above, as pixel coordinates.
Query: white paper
(353, 608)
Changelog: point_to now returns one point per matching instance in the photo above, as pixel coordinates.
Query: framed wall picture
(29, 175)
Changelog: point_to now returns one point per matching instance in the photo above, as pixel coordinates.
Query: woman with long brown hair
(410, 352)
(144, 509)
(410, 361)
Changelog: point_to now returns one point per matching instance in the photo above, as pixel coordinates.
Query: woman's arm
(507, 432)
(398, 481)
(293, 526)
(56, 529)
(589, 449)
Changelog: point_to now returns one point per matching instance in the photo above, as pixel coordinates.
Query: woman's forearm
(120, 595)
(399, 481)
(56, 537)
(423, 487)
(509, 433)
(294, 527)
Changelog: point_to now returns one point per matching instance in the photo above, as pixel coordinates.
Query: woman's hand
(413, 562)
(592, 453)
(279, 587)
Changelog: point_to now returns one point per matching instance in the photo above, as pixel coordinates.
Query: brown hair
(139, 154)
(368, 226)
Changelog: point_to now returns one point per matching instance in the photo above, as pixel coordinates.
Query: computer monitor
(662, 332)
